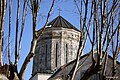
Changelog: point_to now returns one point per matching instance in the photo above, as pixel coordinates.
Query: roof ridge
(59, 21)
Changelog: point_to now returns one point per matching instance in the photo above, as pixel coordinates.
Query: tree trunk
(2, 16)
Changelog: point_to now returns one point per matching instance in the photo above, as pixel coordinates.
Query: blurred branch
(2, 17)
(24, 13)
(36, 36)
(10, 8)
(16, 35)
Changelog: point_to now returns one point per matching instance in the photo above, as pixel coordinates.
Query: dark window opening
(66, 52)
(56, 54)
(46, 49)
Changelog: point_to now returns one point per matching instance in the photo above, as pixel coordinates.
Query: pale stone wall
(56, 40)
(3, 77)
(71, 38)
(40, 76)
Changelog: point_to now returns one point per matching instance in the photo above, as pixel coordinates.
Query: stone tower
(57, 46)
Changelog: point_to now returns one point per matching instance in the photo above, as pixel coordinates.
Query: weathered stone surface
(56, 47)
(40, 76)
(84, 63)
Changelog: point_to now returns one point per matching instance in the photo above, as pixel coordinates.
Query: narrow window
(56, 55)
(46, 51)
(66, 52)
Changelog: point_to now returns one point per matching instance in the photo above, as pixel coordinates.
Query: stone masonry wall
(56, 47)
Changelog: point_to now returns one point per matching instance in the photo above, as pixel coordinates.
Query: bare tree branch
(25, 7)
(10, 8)
(36, 36)
(16, 35)
(2, 16)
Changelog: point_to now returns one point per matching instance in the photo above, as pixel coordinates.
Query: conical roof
(61, 22)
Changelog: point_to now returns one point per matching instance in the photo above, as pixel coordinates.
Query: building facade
(57, 46)
(84, 63)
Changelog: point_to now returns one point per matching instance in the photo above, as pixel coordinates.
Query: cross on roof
(59, 11)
